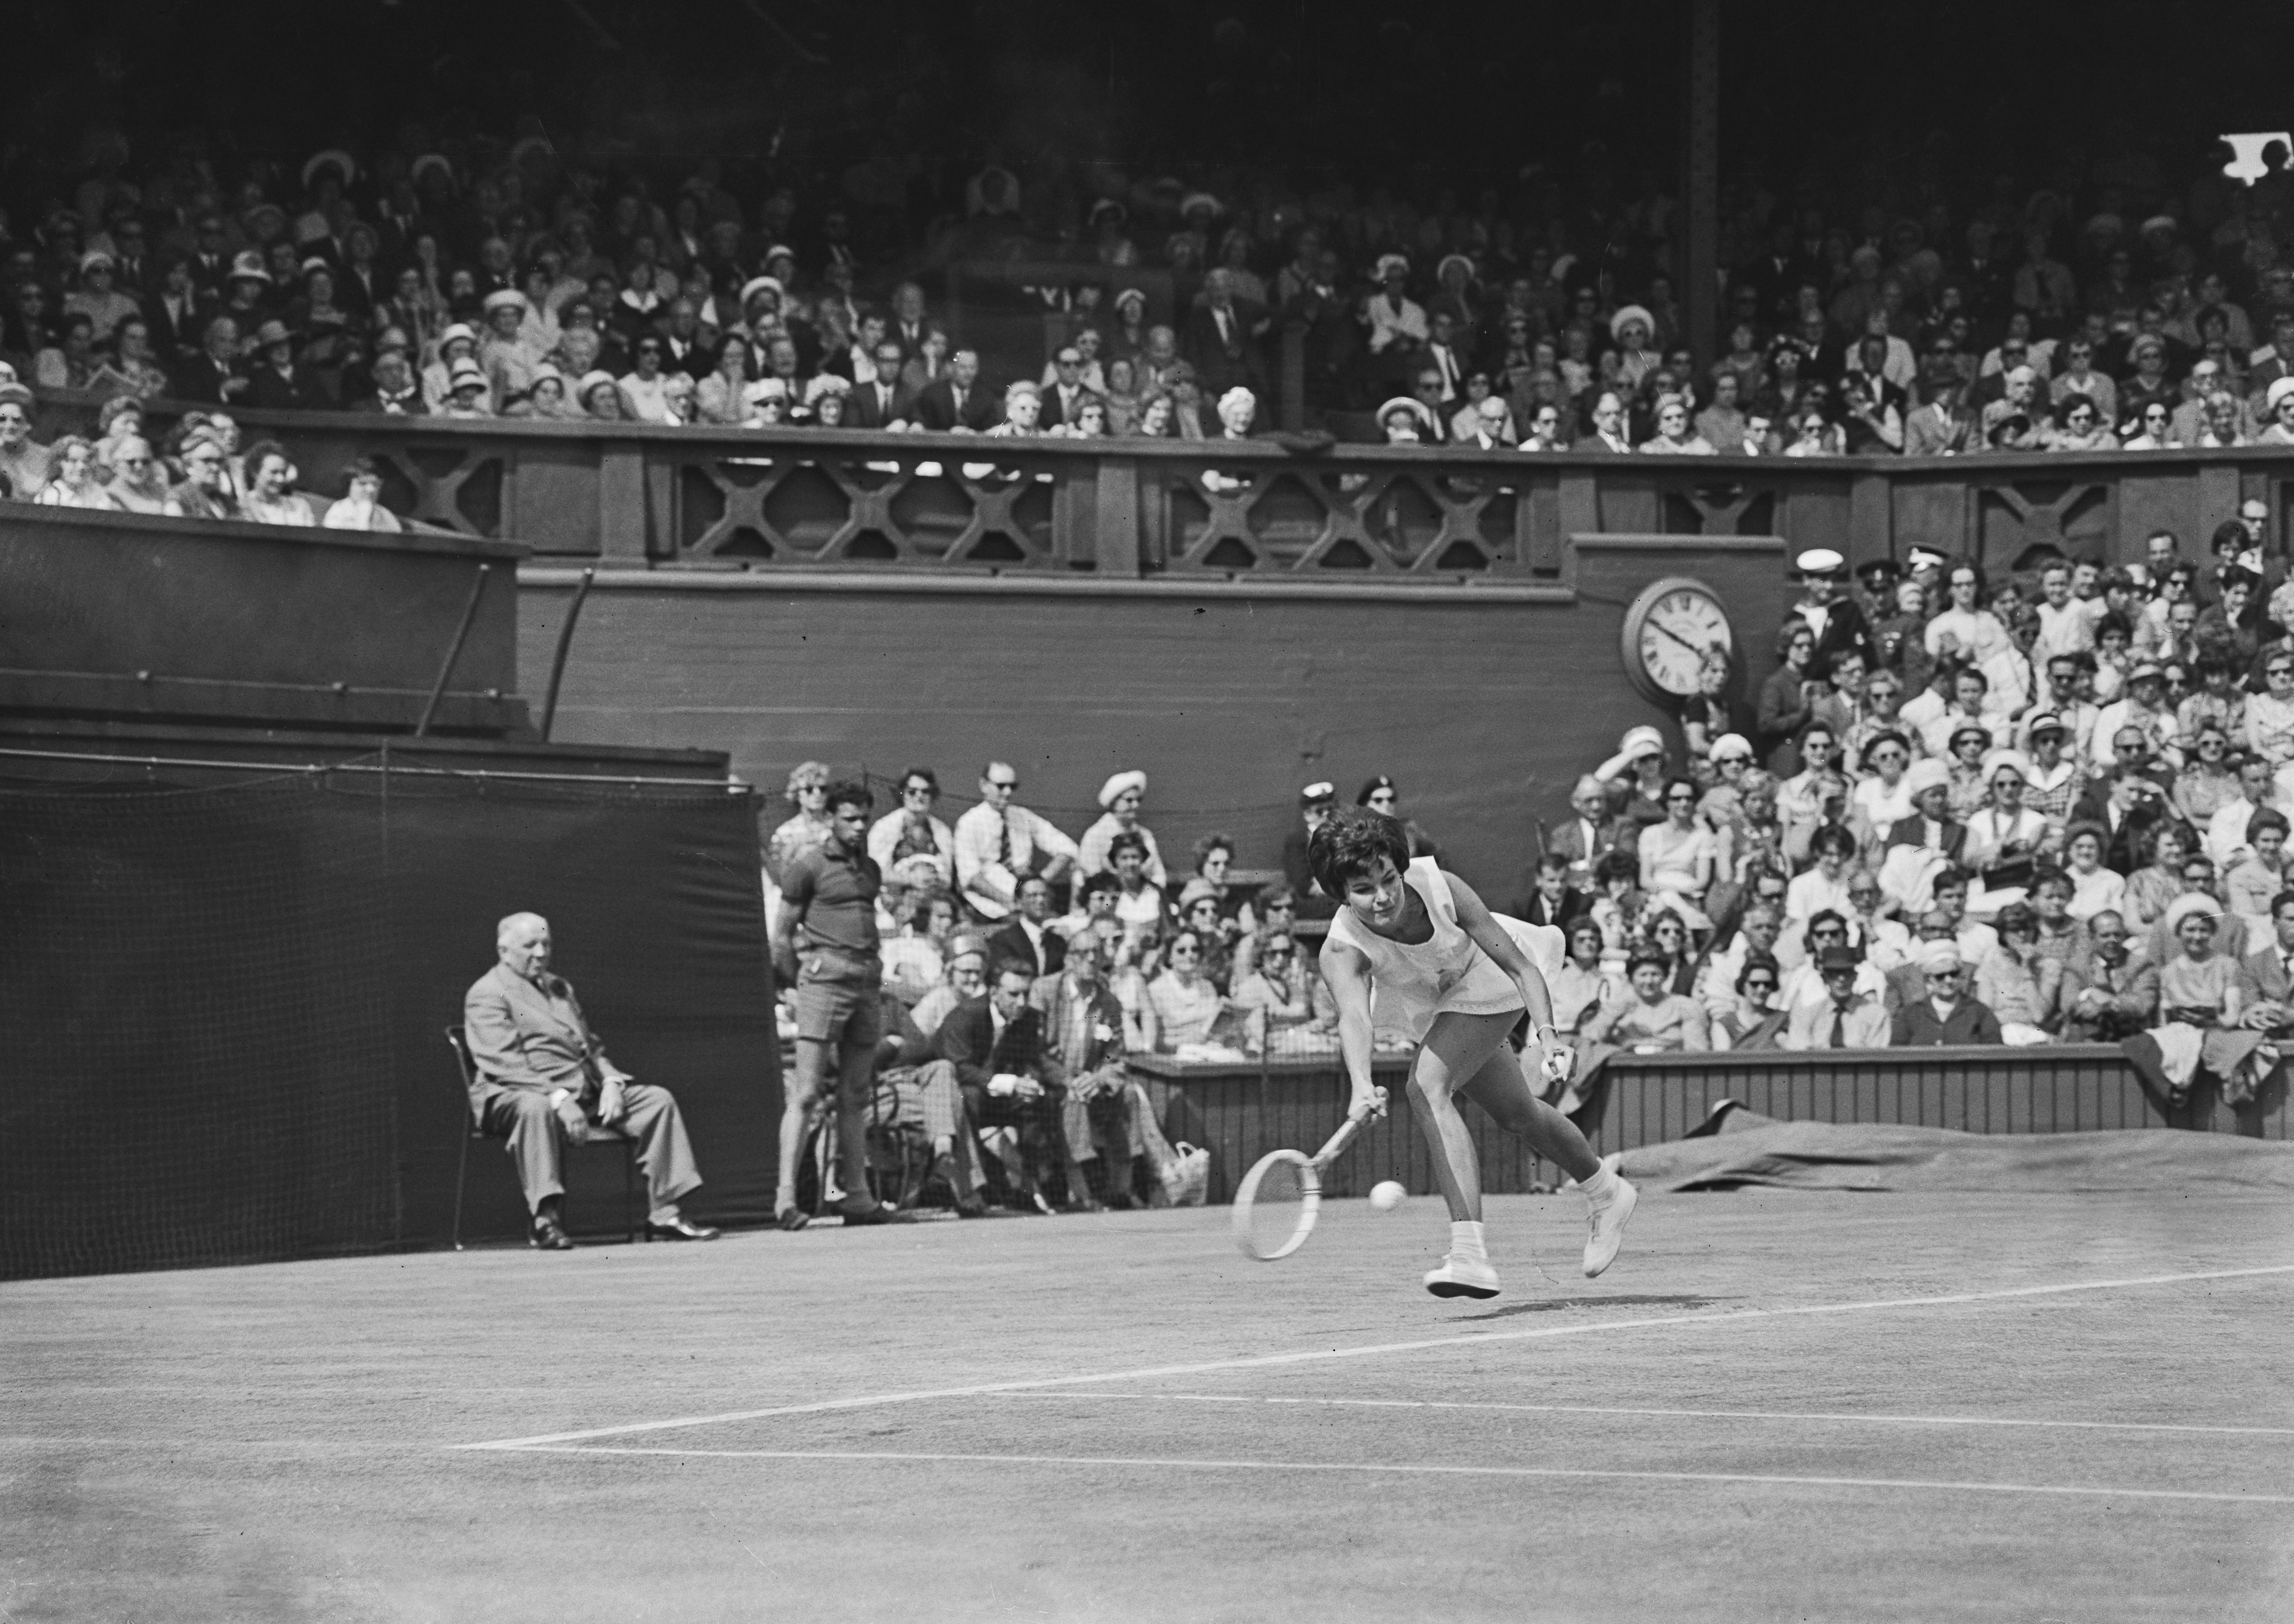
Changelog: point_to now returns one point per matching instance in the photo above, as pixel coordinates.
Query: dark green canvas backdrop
(222, 1009)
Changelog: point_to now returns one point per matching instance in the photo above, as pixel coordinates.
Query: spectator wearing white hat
(1632, 332)
(1637, 773)
(466, 392)
(504, 352)
(457, 343)
(1119, 800)
(1830, 610)
(1396, 321)
(97, 297)
(2278, 408)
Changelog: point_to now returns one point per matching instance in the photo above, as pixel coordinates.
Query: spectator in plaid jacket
(1100, 1103)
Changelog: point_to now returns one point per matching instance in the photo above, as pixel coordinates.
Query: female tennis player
(1414, 952)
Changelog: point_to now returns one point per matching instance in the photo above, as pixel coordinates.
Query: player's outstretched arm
(1347, 973)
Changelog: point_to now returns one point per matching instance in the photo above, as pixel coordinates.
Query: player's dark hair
(850, 793)
(1349, 842)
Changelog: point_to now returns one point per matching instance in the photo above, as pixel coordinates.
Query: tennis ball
(1387, 1195)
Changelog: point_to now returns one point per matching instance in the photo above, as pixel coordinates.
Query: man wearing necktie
(998, 844)
(874, 404)
(1844, 1018)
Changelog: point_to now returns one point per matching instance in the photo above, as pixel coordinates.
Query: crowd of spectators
(2050, 807)
(1208, 960)
(492, 277)
(1018, 967)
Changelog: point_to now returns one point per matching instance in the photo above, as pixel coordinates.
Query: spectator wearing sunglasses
(1285, 988)
(138, 484)
(998, 842)
(1754, 1019)
(2152, 428)
(910, 829)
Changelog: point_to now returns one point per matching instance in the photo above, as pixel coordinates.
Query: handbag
(1186, 1177)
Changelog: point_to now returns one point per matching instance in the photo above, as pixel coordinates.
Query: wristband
(1545, 1026)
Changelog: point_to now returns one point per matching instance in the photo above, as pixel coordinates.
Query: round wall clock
(1669, 628)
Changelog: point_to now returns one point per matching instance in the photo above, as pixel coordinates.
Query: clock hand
(1664, 631)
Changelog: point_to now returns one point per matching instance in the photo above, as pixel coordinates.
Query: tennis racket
(1277, 1202)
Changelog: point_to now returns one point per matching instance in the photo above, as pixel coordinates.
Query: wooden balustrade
(650, 497)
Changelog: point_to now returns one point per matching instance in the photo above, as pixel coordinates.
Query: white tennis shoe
(1463, 1277)
(1606, 1221)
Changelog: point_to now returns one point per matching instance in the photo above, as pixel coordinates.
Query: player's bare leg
(1457, 1048)
(1500, 1089)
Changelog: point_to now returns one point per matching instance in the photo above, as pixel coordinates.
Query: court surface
(1779, 1405)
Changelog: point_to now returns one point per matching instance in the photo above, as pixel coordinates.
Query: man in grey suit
(543, 1077)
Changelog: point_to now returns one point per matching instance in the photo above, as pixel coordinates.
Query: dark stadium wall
(225, 1007)
(1230, 698)
(657, 921)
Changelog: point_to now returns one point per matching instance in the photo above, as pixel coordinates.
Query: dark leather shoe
(547, 1237)
(681, 1229)
(1119, 1201)
(971, 1206)
(792, 1219)
(878, 1214)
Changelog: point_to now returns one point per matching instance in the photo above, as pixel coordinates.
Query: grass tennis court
(1777, 1405)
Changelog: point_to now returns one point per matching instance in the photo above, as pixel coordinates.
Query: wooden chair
(476, 1130)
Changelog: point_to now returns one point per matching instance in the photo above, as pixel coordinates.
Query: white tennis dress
(1447, 971)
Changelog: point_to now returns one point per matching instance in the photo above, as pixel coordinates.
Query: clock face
(1668, 632)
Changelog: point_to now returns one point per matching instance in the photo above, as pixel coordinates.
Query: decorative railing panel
(647, 496)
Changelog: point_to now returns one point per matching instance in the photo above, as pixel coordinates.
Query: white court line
(1424, 1471)
(1315, 1355)
(1614, 1409)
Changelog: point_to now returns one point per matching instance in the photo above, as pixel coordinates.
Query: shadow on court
(1614, 1300)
